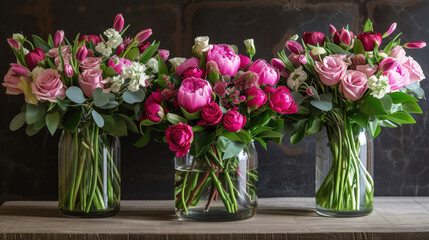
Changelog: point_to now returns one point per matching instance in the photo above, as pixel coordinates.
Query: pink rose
(413, 67)
(268, 74)
(353, 85)
(11, 80)
(244, 61)
(398, 75)
(255, 97)
(369, 39)
(54, 52)
(398, 53)
(194, 94)
(94, 38)
(90, 63)
(313, 38)
(34, 57)
(282, 101)
(189, 63)
(211, 114)
(366, 69)
(154, 112)
(225, 57)
(268, 90)
(89, 80)
(179, 138)
(234, 121)
(331, 70)
(48, 86)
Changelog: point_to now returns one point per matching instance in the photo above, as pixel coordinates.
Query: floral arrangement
(83, 87)
(346, 83)
(211, 107)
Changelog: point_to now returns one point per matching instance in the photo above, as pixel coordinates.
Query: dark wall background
(28, 165)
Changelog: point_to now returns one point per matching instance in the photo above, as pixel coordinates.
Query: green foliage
(52, 122)
(75, 94)
(133, 97)
(17, 122)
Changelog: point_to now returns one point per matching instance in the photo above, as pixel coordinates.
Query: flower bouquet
(347, 86)
(83, 87)
(211, 108)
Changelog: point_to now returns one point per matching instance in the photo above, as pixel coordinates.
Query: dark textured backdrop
(28, 165)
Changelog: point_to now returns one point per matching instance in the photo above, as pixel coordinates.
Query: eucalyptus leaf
(30, 131)
(97, 118)
(100, 99)
(75, 94)
(133, 97)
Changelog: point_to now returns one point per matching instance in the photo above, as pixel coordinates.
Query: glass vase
(89, 182)
(344, 165)
(208, 188)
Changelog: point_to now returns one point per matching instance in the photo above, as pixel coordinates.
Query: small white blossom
(153, 65)
(101, 48)
(296, 78)
(36, 72)
(250, 46)
(134, 85)
(201, 46)
(318, 51)
(136, 73)
(117, 82)
(379, 86)
(18, 37)
(26, 51)
(176, 62)
(114, 37)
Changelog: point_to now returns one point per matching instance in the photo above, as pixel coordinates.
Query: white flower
(101, 48)
(117, 82)
(36, 72)
(318, 51)
(114, 37)
(250, 46)
(379, 86)
(26, 51)
(201, 45)
(136, 73)
(382, 55)
(153, 64)
(296, 78)
(18, 37)
(176, 62)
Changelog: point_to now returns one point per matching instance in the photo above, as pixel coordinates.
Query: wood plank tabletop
(277, 218)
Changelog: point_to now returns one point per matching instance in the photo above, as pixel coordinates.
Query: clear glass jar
(206, 192)
(89, 182)
(344, 166)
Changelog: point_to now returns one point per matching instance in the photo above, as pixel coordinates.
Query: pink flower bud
(143, 46)
(58, 38)
(313, 38)
(143, 35)
(120, 49)
(284, 74)
(415, 45)
(81, 53)
(33, 57)
(20, 70)
(277, 63)
(118, 24)
(68, 70)
(309, 91)
(164, 54)
(346, 38)
(302, 59)
(332, 30)
(390, 30)
(294, 47)
(13, 43)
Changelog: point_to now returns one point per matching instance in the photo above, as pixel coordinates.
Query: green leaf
(110, 105)
(191, 116)
(368, 26)
(202, 140)
(148, 53)
(108, 71)
(63, 104)
(39, 124)
(75, 94)
(374, 128)
(315, 125)
(230, 148)
(17, 122)
(40, 43)
(133, 97)
(133, 54)
(175, 119)
(325, 103)
(71, 119)
(335, 49)
(239, 136)
(389, 46)
(146, 123)
(400, 97)
(411, 107)
(100, 99)
(34, 112)
(97, 118)
(121, 128)
(358, 47)
(401, 118)
(359, 117)
(51, 106)
(52, 122)
(130, 123)
(388, 124)
(269, 134)
(30, 131)
(109, 124)
(299, 132)
(162, 67)
(372, 106)
(143, 140)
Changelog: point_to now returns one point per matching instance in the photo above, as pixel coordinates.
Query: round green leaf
(97, 118)
(75, 94)
(17, 122)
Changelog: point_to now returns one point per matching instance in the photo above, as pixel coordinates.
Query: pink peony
(211, 114)
(48, 86)
(331, 70)
(179, 138)
(234, 121)
(353, 85)
(194, 94)
(225, 57)
(267, 74)
(282, 101)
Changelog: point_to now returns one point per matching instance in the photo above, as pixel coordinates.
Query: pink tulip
(353, 85)
(68, 70)
(284, 73)
(397, 74)
(268, 75)
(94, 38)
(189, 63)
(226, 59)
(369, 39)
(331, 70)
(11, 81)
(387, 64)
(332, 30)
(294, 47)
(58, 38)
(90, 80)
(390, 30)
(120, 49)
(313, 38)
(118, 24)
(277, 63)
(48, 86)
(194, 94)
(13, 43)
(309, 91)
(142, 46)
(20, 70)
(81, 53)
(164, 54)
(33, 57)
(346, 37)
(143, 35)
(415, 45)
(244, 61)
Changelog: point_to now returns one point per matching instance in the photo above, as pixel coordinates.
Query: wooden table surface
(277, 218)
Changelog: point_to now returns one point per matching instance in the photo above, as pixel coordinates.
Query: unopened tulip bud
(332, 30)
(250, 47)
(20, 70)
(346, 38)
(415, 45)
(81, 53)
(118, 24)
(294, 37)
(143, 35)
(18, 37)
(33, 57)
(120, 49)
(68, 70)
(294, 47)
(390, 30)
(58, 38)
(13, 43)
(277, 63)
